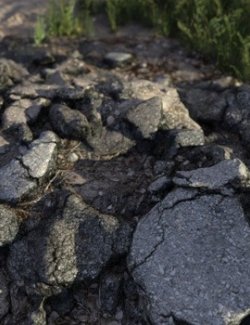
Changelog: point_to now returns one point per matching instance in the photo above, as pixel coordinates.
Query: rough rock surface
(74, 246)
(227, 172)
(11, 73)
(190, 257)
(9, 225)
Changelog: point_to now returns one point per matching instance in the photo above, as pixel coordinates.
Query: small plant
(40, 30)
(64, 18)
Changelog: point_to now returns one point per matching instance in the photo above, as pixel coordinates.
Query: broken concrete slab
(190, 257)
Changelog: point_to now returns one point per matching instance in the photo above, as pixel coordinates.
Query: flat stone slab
(226, 172)
(190, 257)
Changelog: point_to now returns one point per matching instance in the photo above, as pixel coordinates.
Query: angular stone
(15, 182)
(21, 176)
(190, 256)
(73, 246)
(175, 114)
(146, 116)
(69, 123)
(228, 172)
(15, 114)
(9, 225)
(40, 159)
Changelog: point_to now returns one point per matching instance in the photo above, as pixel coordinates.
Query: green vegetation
(219, 29)
(63, 18)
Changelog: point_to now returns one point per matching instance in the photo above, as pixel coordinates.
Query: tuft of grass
(40, 30)
(64, 18)
(219, 29)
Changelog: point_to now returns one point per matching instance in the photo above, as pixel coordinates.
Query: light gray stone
(69, 123)
(21, 176)
(115, 59)
(190, 257)
(9, 225)
(40, 159)
(227, 172)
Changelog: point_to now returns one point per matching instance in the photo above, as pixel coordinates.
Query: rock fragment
(69, 123)
(11, 73)
(21, 176)
(227, 172)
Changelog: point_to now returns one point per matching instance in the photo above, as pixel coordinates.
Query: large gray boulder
(73, 246)
(190, 257)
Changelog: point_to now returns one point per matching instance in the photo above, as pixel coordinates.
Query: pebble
(115, 59)
(73, 157)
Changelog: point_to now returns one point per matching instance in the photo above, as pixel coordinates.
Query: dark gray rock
(40, 159)
(160, 184)
(190, 256)
(11, 73)
(73, 246)
(227, 172)
(4, 295)
(237, 115)
(110, 292)
(69, 123)
(9, 225)
(204, 105)
(15, 182)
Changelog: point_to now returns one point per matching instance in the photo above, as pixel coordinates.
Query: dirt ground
(18, 17)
